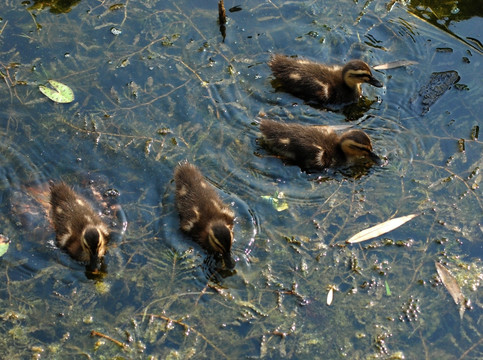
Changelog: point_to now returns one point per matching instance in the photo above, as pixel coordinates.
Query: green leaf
(388, 291)
(4, 243)
(62, 93)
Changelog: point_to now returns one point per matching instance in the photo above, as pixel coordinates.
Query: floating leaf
(452, 286)
(394, 64)
(277, 201)
(380, 229)
(4, 243)
(62, 93)
(388, 291)
(330, 294)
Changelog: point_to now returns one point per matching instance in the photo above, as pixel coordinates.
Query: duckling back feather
(315, 147)
(79, 230)
(202, 214)
(310, 147)
(321, 83)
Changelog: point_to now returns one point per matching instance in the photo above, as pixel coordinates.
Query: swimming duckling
(316, 147)
(79, 230)
(202, 214)
(320, 83)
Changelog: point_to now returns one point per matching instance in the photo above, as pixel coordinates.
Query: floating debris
(394, 64)
(4, 243)
(221, 12)
(61, 94)
(277, 201)
(115, 31)
(116, 7)
(388, 290)
(235, 8)
(222, 18)
(330, 294)
(452, 286)
(380, 229)
(438, 84)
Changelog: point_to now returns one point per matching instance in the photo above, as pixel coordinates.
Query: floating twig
(189, 328)
(221, 12)
(222, 18)
(117, 342)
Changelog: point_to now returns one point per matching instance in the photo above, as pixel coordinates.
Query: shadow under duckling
(202, 214)
(320, 83)
(316, 147)
(79, 229)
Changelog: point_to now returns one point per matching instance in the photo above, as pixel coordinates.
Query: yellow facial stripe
(359, 73)
(215, 243)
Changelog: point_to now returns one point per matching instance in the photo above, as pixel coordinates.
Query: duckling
(320, 83)
(316, 147)
(79, 230)
(202, 214)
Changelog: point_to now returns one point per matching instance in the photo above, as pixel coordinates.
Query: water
(167, 89)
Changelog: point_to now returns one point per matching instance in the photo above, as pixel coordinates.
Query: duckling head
(356, 72)
(356, 144)
(220, 238)
(94, 242)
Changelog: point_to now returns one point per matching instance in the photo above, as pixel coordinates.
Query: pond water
(155, 84)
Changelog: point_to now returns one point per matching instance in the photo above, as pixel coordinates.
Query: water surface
(167, 88)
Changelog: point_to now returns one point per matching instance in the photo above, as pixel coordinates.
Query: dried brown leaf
(452, 286)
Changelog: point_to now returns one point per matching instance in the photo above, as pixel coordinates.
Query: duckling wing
(307, 80)
(197, 202)
(310, 147)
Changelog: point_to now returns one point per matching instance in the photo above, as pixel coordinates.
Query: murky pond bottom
(154, 85)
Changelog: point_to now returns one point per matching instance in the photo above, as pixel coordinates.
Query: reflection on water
(168, 89)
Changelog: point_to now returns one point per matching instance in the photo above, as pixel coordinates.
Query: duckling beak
(374, 82)
(229, 261)
(95, 264)
(375, 158)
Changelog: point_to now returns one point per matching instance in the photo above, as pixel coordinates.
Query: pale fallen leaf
(330, 296)
(394, 64)
(380, 229)
(452, 286)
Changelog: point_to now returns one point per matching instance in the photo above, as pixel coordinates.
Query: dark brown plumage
(320, 83)
(316, 147)
(202, 214)
(79, 230)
